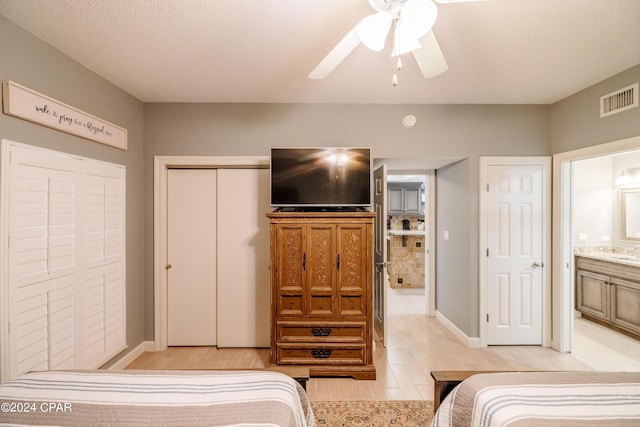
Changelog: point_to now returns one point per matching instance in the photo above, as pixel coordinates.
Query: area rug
(373, 413)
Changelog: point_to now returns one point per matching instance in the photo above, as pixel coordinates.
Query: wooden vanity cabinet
(321, 272)
(608, 293)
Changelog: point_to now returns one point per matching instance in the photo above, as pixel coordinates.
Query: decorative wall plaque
(24, 103)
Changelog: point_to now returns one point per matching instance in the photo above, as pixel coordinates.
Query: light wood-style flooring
(418, 344)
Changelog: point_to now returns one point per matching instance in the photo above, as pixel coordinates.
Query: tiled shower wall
(407, 262)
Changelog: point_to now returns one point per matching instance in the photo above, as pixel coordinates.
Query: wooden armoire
(321, 292)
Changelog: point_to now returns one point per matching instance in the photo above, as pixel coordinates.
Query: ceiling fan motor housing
(381, 4)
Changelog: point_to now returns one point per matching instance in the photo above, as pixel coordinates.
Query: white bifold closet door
(63, 267)
(218, 253)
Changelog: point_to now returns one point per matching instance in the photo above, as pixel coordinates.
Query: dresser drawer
(313, 332)
(310, 354)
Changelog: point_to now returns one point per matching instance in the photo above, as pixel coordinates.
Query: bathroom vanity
(608, 290)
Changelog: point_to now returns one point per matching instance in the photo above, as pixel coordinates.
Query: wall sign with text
(24, 103)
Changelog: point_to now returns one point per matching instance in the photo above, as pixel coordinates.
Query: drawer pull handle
(321, 354)
(321, 332)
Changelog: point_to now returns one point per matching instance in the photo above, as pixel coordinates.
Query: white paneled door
(515, 236)
(191, 241)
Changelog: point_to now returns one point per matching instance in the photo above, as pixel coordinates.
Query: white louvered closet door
(42, 261)
(63, 281)
(102, 260)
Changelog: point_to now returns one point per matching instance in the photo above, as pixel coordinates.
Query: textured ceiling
(498, 52)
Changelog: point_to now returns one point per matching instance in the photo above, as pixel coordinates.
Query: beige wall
(442, 131)
(576, 123)
(34, 64)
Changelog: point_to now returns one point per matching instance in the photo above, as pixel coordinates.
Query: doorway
(563, 264)
(595, 217)
(422, 220)
(162, 165)
(408, 239)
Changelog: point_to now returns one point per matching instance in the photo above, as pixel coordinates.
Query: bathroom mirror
(630, 213)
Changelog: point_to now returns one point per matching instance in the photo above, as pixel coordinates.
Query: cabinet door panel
(412, 200)
(320, 306)
(625, 309)
(320, 262)
(352, 272)
(290, 273)
(395, 200)
(351, 305)
(290, 305)
(593, 294)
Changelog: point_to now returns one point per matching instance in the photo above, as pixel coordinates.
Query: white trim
(431, 242)
(562, 288)
(545, 162)
(4, 260)
(470, 342)
(128, 358)
(160, 167)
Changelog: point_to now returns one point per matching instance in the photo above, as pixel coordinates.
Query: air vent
(619, 100)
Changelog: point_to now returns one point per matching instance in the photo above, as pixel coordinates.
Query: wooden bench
(298, 373)
(445, 381)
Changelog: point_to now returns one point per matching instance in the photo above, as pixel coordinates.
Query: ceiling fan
(412, 21)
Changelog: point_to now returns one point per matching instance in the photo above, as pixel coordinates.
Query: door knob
(536, 265)
(168, 266)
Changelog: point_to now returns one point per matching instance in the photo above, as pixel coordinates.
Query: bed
(567, 399)
(170, 398)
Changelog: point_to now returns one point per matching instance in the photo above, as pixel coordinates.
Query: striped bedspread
(168, 398)
(528, 399)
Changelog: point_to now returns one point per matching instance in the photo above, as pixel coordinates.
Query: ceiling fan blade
(429, 58)
(337, 55)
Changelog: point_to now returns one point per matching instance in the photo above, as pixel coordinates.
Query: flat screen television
(321, 177)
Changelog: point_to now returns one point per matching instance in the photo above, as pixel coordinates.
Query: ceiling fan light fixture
(372, 30)
(417, 18)
(413, 19)
(624, 179)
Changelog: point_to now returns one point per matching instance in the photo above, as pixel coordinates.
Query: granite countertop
(612, 257)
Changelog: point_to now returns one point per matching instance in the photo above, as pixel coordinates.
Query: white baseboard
(126, 360)
(469, 341)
